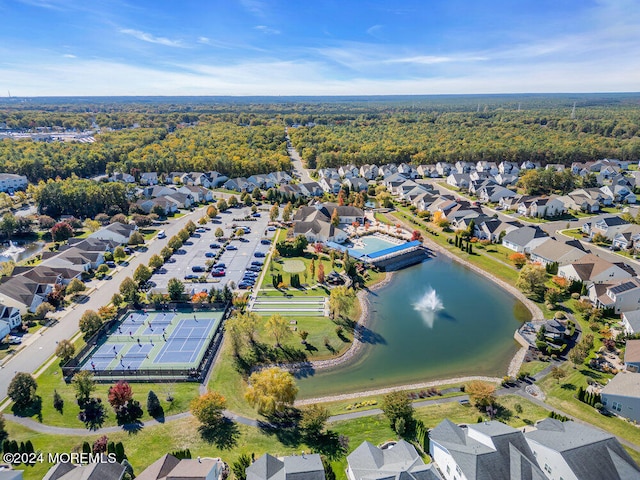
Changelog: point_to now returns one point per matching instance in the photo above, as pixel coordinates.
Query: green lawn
(533, 367)
(573, 233)
(51, 379)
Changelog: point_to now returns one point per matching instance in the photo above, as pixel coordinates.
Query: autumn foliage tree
(518, 259)
(61, 231)
(416, 235)
(119, 394)
(271, 390)
(482, 393)
(208, 408)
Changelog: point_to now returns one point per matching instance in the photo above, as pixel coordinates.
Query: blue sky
(326, 47)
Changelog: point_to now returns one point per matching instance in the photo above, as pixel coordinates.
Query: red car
(218, 273)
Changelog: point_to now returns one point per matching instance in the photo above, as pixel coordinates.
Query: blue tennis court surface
(152, 340)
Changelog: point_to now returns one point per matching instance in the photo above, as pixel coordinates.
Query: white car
(14, 340)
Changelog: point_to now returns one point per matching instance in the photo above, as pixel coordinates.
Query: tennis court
(156, 340)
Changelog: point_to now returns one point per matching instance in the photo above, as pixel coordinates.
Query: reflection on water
(428, 306)
(30, 249)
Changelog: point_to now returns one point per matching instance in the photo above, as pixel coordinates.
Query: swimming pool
(371, 244)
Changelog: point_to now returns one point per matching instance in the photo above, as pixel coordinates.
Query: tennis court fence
(75, 364)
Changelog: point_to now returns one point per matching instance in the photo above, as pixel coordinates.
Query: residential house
(148, 205)
(593, 269)
(369, 172)
(552, 251)
(216, 178)
(10, 182)
(348, 171)
(621, 395)
(606, 225)
(116, 232)
(23, 293)
(356, 184)
(576, 451)
(628, 238)
(488, 450)
(464, 167)
(199, 194)
(541, 207)
(291, 190)
(529, 165)
(427, 171)
(632, 354)
(555, 330)
(444, 204)
(475, 176)
(262, 181)
(579, 203)
(314, 222)
(280, 178)
(328, 173)
(158, 191)
(621, 296)
(10, 316)
(524, 239)
(492, 229)
(104, 470)
(175, 177)
(459, 180)
(619, 193)
(487, 167)
(180, 199)
(311, 189)
(169, 467)
(443, 168)
(330, 185)
(149, 178)
(121, 177)
(494, 193)
(505, 179)
(9, 473)
(292, 467)
(511, 203)
(394, 180)
(508, 168)
(387, 170)
(395, 461)
(407, 170)
(631, 322)
(422, 201)
(558, 167)
(240, 184)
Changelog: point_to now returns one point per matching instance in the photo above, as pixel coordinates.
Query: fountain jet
(428, 306)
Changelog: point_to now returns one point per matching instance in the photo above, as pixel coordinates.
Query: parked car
(198, 268)
(218, 273)
(219, 265)
(214, 245)
(200, 230)
(265, 241)
(209, 254)
(244, 285)
(190, 276)
(259, 255)
(257, 263)
(271, 229)
(244, 240)
(257, 214)
(110, 264)
(231, 247)
(254, 268)
(15, 340)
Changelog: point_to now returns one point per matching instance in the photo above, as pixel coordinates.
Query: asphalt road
(298, 169)
(42, 345)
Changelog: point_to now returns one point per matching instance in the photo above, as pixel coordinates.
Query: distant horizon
(61, 48)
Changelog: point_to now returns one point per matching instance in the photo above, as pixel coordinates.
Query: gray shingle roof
(294, 467)
(400, 462)
(591, 453)
(524, 235)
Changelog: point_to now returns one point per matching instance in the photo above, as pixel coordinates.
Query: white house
(575, 451)
(631, 322)
(552, 251)
(398, 461)
(542, 207)
(117, 232)
(10, 182)
(621, 395)
(524, 239)
(593, 269)
(488, 450)
(621, 296)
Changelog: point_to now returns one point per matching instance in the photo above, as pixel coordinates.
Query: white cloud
(374, 30)
(256, 7)
(267, 30)
(69, 55)
(147, 37)
(204, 40)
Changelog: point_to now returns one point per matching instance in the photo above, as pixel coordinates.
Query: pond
(431, 321)
(26, 250)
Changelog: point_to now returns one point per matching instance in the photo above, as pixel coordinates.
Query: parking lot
(193, 252)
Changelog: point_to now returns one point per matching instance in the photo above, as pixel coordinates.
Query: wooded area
(244, 137)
